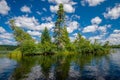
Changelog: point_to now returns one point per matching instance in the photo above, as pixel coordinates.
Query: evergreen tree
(45, 45)
(81, 44)
(45, 37)
(58, 27)
(65, 38)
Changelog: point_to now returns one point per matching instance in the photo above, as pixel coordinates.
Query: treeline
(7, 47)
(115, 46)
(61, 41)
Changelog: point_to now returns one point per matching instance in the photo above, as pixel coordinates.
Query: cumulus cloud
(67, 4)
(74, 16)
(102, 28)
(34, 33)
(4, 8)
(42, 26)
(95, 26)
(116, 31)
(31, 23)
(6, 38)
(26, 22)
(47, 19)
(7, 42)
(2, 30)
(93, 38)
(96, 20)
(91, 2)
(72, 26)
(114, 37)
(91, 28)
(112, 13)
(25, 9)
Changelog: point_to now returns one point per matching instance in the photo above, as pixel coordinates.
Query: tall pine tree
(58, 27)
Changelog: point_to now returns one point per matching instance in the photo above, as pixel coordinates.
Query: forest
(61, 43)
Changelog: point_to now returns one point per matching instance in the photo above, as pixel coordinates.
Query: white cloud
(96, 20)
(38, 12)
(113, 13)
(92, 2)
(26, 22)
(7, 42)
(67, 4)
(4, 8)
(6, 36)
(34, 33)
(44, 9)
(102, 28)
(114, 38)
(31, 23)
(42, 26)
(2, 30)
(95, 26)
(68, 8)
(54, 8)
(93, 38)
(72, 26)
(59, 1)
(74, 16)
(116, 31)
(48, 19)
(72, 39)
(25, 9)
(91, 28)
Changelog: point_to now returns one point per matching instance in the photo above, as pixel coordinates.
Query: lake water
(77, 67)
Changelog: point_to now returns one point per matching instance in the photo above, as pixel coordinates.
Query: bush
(28, 47)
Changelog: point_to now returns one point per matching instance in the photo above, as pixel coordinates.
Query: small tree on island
(46, 44)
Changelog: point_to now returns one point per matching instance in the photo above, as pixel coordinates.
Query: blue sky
(94, 19)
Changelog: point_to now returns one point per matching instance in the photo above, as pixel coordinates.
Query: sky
(93, 19)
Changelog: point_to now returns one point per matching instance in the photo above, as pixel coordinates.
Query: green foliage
(61, 40)
(28, 47)
(45, 37)
(46, 46)
(26, 43)
(81, 44)
(65, 38)
(58, 28)
(115, 46)
(7, 47)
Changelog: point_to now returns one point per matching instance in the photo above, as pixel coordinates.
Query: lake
(59, 67)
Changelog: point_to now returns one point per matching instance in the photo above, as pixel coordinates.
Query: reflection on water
(6, 68)
(77, 67)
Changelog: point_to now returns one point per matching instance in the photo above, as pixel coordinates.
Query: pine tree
(45, 37)
(46, 45)
(58, 27)
(65, 37)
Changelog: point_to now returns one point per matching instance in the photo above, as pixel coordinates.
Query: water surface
(77, 67)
